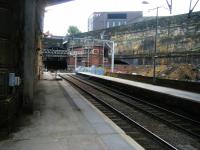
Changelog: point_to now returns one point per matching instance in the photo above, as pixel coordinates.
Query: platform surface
(64, 120)
(170, 91)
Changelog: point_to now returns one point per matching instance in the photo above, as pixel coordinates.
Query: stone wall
(178, 38)
(174, 38)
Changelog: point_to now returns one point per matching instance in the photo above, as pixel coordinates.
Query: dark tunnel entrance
(55, 63)
(54, 55)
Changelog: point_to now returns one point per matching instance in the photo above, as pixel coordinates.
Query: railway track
(123, 109)
(190, 126)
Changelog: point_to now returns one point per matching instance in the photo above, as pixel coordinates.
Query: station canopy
(55, 2)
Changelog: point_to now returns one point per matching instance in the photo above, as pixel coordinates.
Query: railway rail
(179, 121)
(125, 110)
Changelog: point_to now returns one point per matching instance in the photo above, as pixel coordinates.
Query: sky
(59, 17)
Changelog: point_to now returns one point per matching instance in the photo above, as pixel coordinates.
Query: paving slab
(65, 120)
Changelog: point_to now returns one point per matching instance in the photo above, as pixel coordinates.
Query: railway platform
(170, 91)
(64, 120)
(184, 100)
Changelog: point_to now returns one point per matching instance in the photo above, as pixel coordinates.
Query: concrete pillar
(29, 51)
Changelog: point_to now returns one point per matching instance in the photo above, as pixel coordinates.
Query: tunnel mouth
(55, 63)
(119, 62)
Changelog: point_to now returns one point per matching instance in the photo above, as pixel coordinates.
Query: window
(97, 15)
(125, 22)
(117, 16)
(95, 51)
(113, 23)
(79, 59)
(119, 23)
(108, 25)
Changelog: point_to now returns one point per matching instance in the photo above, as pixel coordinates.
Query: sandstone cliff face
(172, 38)
(175, 34)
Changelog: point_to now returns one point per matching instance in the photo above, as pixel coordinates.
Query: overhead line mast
(192, 8)
(169, 3)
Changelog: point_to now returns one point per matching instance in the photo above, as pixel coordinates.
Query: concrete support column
(29, 51)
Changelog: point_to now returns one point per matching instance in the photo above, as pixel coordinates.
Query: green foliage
(73, 30)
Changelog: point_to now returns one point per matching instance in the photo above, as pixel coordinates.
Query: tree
(73, 30)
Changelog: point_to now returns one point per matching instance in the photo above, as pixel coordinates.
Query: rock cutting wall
(178, 38)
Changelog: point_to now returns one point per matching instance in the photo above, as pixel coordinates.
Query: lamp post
(156, 35)
(75, 63)
(155, 44)
(110, 44)
(113, 56)
(112, 50)
(75, 55)
(103, 55)
(88, 60)
(155, 47)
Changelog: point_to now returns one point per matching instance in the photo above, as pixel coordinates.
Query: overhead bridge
(54, 53)
(55, 59)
